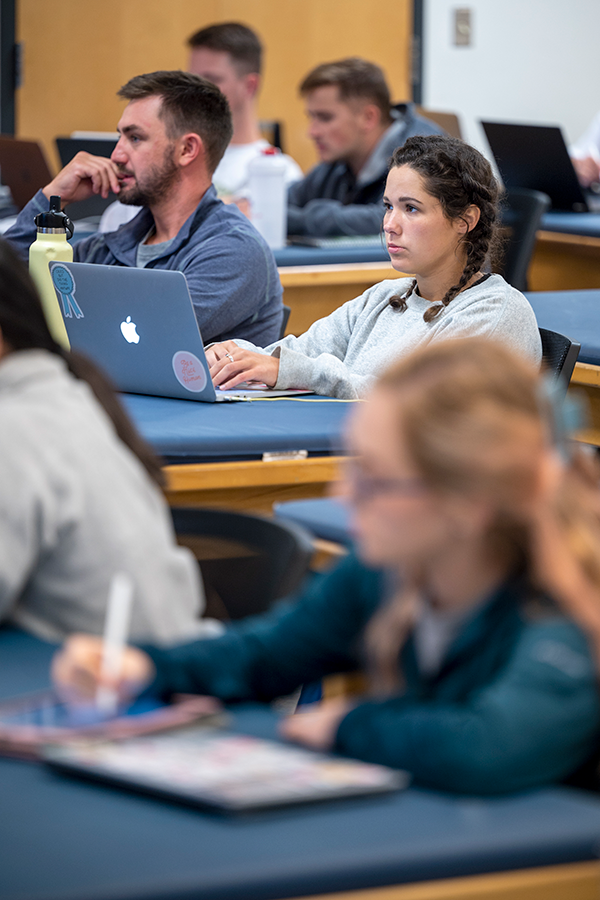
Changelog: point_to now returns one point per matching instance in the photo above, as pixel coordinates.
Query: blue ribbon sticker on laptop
(189, 371)
(65, 285)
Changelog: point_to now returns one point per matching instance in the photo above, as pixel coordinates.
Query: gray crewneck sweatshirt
(341, 355)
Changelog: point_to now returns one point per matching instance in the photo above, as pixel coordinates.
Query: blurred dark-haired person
(355, 130)
(80, 491)
(173, 133)
(229, 55)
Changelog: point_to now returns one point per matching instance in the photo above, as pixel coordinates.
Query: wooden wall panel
(78, 53)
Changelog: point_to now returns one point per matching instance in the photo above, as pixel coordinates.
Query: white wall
(532, 61)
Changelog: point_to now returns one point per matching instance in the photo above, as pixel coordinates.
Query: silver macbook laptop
(139, 325)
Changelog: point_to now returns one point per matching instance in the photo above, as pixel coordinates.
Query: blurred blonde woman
(473, 598)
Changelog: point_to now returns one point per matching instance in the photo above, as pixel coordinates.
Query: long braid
(398, 301)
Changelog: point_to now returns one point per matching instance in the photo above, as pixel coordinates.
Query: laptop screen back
(536, 157)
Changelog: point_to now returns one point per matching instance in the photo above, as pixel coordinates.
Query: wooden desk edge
(584, 373)
(575, 881)
(345, 273)
(251, 473)
(565, 237)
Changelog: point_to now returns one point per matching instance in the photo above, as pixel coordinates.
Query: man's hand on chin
(84, 176)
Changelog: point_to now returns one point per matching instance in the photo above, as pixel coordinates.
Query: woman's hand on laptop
(77, 665)
(230, 365)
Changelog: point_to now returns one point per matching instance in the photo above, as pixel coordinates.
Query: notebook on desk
(139, 325)
(536, 157)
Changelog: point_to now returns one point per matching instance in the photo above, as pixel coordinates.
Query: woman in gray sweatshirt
(440, 221)
(79, 490)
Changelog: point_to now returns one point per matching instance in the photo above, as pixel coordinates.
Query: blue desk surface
(575, 314)
(326, 256)
(184, 431)
(63, 839)
(587, 224)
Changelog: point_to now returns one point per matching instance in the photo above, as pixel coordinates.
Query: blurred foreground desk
(214, 451)
(65, 839)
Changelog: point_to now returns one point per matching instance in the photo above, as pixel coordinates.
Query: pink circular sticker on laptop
(189, 371)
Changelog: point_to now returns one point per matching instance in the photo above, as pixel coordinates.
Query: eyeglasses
(364, 487)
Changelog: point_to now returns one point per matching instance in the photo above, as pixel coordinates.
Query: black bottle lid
(54, 218)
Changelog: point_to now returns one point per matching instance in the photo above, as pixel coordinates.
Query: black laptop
(536, 157)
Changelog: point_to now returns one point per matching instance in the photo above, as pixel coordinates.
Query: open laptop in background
(67, 148)
(23, 168)
(139, 325)
(536, 157)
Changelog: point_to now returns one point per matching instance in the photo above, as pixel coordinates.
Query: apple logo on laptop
(128, 330)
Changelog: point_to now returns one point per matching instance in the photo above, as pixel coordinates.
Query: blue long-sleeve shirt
(514, 704)
(230, 270)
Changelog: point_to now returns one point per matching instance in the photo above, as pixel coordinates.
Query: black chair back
(559, 355)
(284, 321)
(247, 562)
(521, 216)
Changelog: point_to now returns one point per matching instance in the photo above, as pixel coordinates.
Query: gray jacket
(340, 355)
(330, 200)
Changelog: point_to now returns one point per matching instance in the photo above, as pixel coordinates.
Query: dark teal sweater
(514, 705)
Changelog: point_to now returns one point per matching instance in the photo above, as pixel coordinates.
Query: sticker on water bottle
(189, 371)
(65, 285)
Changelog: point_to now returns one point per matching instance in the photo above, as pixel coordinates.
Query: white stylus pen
(116, 629)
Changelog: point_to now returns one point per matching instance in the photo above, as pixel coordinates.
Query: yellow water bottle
(53, 229)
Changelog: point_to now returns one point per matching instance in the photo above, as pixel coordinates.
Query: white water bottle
(268, 196)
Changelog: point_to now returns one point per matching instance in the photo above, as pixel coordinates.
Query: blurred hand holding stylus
(116, 629)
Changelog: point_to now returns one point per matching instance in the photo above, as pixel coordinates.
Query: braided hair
(458, 176)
